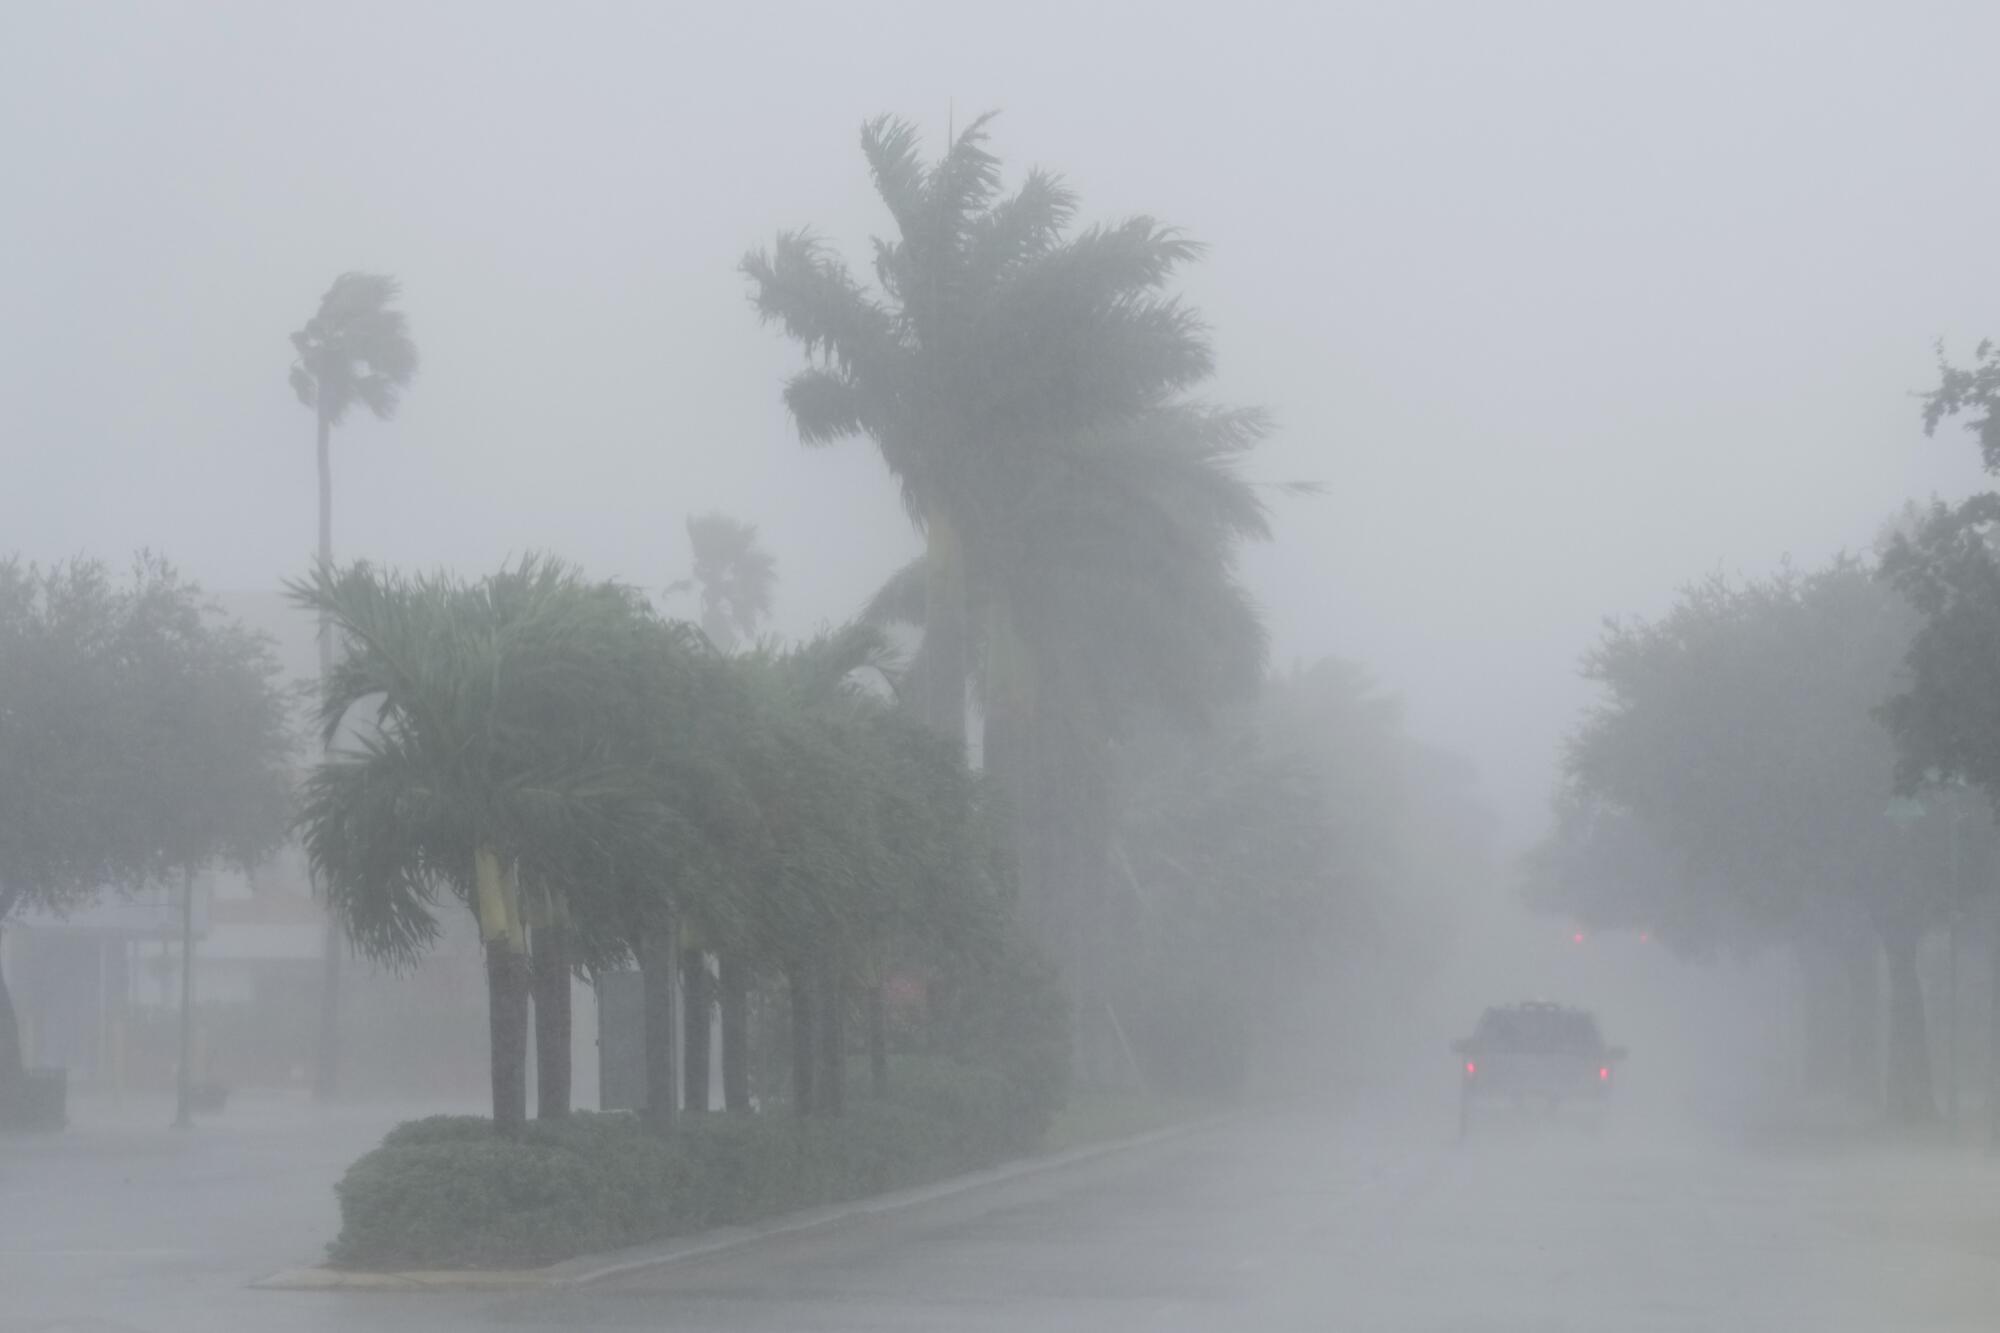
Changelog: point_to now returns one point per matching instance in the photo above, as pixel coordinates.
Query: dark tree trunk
(804, 1033)
(552, 1022)
(878, 1042)
(656, 982)
(1912, 1099)
(733, 985)
(1864, 1004)
(507, 1022)
(13, 1074)
(1992, 1037)
(184, 1075)
(326, 1063)
(832, 1077)
(696, 1007)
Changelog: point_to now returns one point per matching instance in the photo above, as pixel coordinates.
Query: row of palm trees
(600, 785)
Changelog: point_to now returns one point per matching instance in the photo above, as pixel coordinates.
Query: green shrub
(455, 1202)
(446, 1192)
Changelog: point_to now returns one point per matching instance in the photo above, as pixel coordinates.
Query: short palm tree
(355, 349)
(474, 734)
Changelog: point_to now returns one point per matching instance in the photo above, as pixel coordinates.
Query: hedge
(446, 1192)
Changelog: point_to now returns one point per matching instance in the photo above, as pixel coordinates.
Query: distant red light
(1577, 938)
(1470, 1069)
(1604, 1073)
(1645, 936)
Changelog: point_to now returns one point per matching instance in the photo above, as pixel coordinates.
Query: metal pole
(184, 1089)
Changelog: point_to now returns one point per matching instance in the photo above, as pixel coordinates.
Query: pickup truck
(1534, 1054)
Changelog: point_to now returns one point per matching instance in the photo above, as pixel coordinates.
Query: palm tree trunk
(945, 652)
(695, 1027)
(832, 1076)
(1912, 1100)
(326, 1065)
(733, 985)
(878, 1042)
(656, 979)
(507, 1021)
(553, 1021)
(804, 1035)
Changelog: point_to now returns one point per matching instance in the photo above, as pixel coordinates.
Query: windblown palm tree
(355, 349)
(1026, 386)
(733, 575)
(484, 764)
(997, 337)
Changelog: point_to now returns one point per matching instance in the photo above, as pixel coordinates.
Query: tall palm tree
(996, 330)
(484, 764)
(355, 349)
(1026, 385)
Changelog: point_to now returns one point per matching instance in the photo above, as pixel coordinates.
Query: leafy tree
(1740, 731)
(1299, 858)
(141, 737)
(355, 349)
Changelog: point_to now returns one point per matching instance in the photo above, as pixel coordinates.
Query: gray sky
(1564, 305)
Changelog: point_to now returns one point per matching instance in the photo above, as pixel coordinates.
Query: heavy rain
(905, 666)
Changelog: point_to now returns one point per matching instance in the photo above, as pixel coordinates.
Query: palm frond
(802, 286)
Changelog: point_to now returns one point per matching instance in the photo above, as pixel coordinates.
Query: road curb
(589, 1268)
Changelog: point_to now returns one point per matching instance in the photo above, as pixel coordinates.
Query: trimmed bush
(446, 1192)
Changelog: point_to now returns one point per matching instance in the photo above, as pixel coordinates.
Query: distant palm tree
(355, 349)
(733, 575)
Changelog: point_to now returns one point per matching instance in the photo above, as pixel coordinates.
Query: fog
(1559, 308)
(1563, 307)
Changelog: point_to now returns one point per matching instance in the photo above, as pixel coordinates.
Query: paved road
(1293, 1221)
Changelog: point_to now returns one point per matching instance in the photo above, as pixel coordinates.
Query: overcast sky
(1565, 305)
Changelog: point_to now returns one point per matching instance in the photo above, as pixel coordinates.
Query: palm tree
(1025, 384)
(995, 331)
(484, 763)
(734, 577)
(355, 349)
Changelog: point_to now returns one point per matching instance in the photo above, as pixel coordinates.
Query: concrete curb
(589, 1268)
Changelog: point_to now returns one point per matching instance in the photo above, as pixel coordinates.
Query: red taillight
(1470, 1069)
(1604, 1073)
(1576, 938)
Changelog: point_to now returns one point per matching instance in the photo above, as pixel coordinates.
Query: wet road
(1286, 1221)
